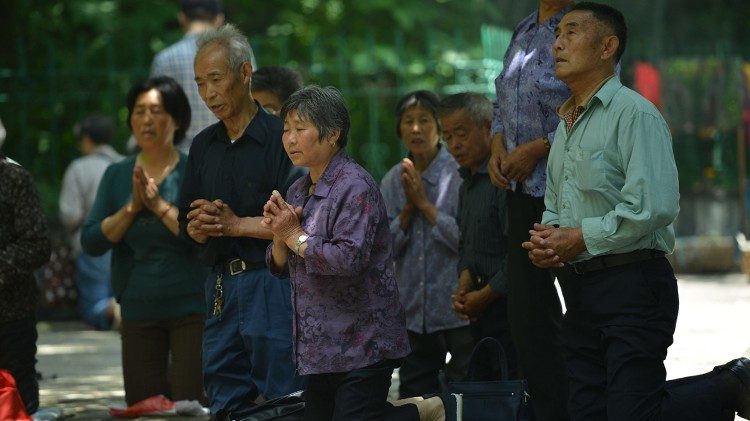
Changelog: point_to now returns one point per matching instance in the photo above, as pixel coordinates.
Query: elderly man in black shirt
(482, 220)
(233, 167)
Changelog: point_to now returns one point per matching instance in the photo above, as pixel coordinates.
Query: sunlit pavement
(81, 373)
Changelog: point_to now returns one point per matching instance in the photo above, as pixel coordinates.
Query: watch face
(302, 238)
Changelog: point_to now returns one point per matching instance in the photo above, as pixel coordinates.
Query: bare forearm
(537, 149)
(405, 218)
(250, 227)
(430, 212)
(116, 225)
(497, 147)
(168, 214)
(279, 255)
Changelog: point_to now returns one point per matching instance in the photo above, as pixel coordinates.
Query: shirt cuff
(593, 236)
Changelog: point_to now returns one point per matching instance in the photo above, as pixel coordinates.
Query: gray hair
(325, 108)
(234, 42)
(477, 106)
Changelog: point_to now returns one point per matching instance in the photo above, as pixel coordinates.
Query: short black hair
(611, 18)
(324, 107)
(425, 99)
(173, 99)
(201, 10)
(282, 81)
(99, 128)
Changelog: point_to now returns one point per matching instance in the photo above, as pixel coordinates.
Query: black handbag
(289, 407)
(486, 393)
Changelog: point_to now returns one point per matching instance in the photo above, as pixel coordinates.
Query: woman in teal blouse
(155, 276)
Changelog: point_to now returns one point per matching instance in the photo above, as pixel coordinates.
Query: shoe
(740, 368)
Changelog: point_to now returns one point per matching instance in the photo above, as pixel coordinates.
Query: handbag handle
(493, 347)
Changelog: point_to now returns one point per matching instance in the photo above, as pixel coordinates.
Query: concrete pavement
(81, 373)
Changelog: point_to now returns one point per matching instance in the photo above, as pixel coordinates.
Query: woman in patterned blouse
(421, 196)
(331, 236)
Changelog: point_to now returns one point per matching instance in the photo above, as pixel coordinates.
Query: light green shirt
(614, 175)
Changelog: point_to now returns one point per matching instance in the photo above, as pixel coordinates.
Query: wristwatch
(300, 240)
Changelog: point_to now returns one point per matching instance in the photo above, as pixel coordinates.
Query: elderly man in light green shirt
(613, 175)
(612, 196)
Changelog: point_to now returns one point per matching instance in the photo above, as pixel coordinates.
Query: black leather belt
(612, 260)
(235, 266)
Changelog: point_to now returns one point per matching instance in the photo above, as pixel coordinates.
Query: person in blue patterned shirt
(523, 128)
(421, 196)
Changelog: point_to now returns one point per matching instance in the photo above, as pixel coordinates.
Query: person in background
(611, 199)
(421, 198)
(483, 222)
(156, 277)
(523, 128)
(272, 86)
(24, 246)
(80, 182)
(233, 167)
(331, 236)
(176, 60)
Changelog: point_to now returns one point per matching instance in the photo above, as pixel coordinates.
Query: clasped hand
(411, 180)
(549, 246)
(145, 192)
(211, 219)
(281, 218)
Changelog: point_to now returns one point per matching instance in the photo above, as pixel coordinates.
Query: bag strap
(488, 346)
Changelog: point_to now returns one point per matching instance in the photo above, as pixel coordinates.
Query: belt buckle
(236, 266)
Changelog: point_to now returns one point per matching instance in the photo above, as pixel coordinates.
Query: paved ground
(82, 376)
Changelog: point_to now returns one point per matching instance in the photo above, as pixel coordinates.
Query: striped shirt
(483, 221)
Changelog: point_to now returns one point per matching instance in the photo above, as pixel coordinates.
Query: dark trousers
(355, 395)
(493, 323)
(18, 355)
(616, 331)
(418, 374)
(535, 314)
(163, 357)
(247, 351)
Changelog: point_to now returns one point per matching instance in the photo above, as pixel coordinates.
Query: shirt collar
(434, 170)
(608, 89)
(330, 174)
(105, 149)
(257, 130)
(604, 92)
(466, 173)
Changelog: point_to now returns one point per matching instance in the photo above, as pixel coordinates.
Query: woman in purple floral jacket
(332, 237)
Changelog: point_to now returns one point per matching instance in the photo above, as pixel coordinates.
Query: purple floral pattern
(347, 312)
